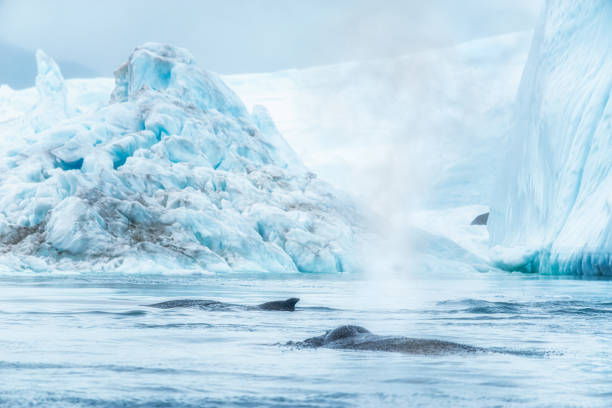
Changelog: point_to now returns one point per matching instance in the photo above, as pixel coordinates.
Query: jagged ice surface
(172, 174)
(554, 213)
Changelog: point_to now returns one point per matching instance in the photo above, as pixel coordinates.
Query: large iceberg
(172, 173)
(554, 211)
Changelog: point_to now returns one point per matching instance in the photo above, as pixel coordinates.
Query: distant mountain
(20, 70)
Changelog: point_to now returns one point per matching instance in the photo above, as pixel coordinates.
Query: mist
(394, 132)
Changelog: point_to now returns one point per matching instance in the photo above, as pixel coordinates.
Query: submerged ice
(172, 173)
(554, 213)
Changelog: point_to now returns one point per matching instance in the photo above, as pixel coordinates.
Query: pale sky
(239, 36)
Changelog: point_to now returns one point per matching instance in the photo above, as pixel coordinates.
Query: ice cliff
(554, 210)
(172, 174)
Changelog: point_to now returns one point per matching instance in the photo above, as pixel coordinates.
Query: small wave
(481, 306)
(174, 325)
(475, 303)
(502, 384)
(413, 380)
(491, 309)
(321, 400)
(319, 309)
(525, 353)
(518, 309)
(583, 311)
(140, 369)
(129, 313)
(485, 318)
(20, 365)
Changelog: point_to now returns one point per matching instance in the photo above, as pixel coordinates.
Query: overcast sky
(236, 36)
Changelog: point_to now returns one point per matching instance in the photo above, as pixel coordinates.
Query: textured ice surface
(171, 174)
(554, 211)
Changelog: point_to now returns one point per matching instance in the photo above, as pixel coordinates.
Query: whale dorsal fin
(283, 305)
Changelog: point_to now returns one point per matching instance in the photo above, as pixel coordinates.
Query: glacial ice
(554, 210)
(429, 123)
(470, 95)
(172, 174)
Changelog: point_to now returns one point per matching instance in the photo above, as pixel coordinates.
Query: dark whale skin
(282, 305)
(350, 337)
(482, 219)
(287, 305)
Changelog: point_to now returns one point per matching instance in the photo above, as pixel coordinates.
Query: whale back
(283, 305)
(186, 303)
(344, 332)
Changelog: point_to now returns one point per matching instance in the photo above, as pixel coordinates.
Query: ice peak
(172, 70)
(52, 92)
(270, 135)
(262, 118)
(167, 52)
(149, 65)
(49, 80)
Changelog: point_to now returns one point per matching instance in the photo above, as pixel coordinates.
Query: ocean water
(88, 341)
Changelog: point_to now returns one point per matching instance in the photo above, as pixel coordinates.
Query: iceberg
(553, 213)
(171, 173)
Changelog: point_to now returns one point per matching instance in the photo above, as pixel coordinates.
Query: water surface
(83, 341)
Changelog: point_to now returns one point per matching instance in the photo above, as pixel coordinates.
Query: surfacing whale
(359, 338)
(481, 219)
(287, 305)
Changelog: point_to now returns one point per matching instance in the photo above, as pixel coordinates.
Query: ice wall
(554, 209)
(173, 174)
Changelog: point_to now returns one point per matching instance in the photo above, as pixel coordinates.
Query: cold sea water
(88, 341)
